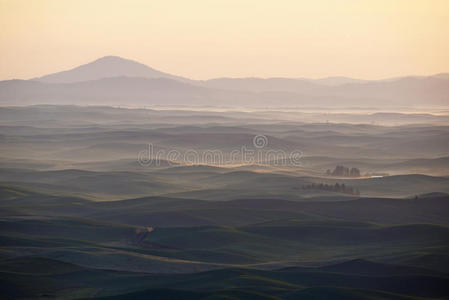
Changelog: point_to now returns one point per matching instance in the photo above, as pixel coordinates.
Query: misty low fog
(118, 181)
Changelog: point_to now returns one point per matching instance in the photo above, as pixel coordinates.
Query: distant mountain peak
(115, 58)
(106, 67)
(112, 57)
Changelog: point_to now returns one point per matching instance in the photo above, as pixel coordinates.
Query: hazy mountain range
(112, 80)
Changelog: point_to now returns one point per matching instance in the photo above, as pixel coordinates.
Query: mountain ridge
(112, 80)
(106, 67)
(140, 69)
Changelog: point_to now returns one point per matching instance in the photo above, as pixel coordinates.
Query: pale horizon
(203, 40)
(262, 77)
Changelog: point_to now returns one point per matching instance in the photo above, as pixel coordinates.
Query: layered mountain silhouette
(106, 67)
(112, 80)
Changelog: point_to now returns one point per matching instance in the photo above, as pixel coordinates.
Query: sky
(202, 39)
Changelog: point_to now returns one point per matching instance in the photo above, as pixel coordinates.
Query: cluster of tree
(340, 188)
(343, 171)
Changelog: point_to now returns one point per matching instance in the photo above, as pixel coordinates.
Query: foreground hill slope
(67, 281)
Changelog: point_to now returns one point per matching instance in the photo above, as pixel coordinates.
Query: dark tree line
(339, 188)
(343, 171)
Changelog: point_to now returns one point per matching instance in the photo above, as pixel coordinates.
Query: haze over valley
(174, 150)
(94, 194)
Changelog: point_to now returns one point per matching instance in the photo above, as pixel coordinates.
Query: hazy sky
(203, 39)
